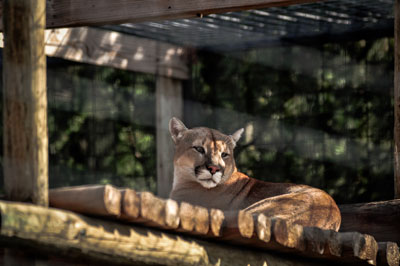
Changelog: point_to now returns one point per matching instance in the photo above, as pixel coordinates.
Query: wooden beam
(67, 13)
(107, 48)
(379, 219)
(102, 200)
(25, 102)
(397, 100)
(169, 103)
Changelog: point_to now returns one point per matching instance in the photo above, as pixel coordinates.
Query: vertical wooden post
(169, 103)
(25, 102)
(397, 100)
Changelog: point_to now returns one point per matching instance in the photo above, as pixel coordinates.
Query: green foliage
(322, 115)
(101, 126)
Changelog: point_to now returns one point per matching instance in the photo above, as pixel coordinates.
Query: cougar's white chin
(207, 180)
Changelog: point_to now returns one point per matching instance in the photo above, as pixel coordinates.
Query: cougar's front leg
(306, 206)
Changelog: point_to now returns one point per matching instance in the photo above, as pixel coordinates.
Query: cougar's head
(202, 154)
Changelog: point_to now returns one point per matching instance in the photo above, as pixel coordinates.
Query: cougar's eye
(224, 155)
(199, 149)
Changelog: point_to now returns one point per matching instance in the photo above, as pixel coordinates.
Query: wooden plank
(397, 100)
(67, 13)
(62, 232)
(92, 199)
(169, 103)
(107, 48)
(379, 219)
(25, 137)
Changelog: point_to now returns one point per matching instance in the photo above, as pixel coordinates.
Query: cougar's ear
(236, 136)
(176, 128)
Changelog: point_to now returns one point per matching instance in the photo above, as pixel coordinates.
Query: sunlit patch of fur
(217, 177)
(182, 174)
(207, 180)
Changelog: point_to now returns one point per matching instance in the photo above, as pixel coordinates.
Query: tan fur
(199, 151)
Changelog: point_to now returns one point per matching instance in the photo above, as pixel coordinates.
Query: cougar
(205, 174)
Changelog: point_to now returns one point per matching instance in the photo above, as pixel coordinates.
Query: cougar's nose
(213, 168)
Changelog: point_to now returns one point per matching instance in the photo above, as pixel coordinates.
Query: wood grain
(388, 254)
(68, 13)
(397, 99)
(25, 139)
(102, 200)
(379, 219)
(254, 230)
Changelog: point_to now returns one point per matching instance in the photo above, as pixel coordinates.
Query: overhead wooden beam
(397, 100)
(107, 48)
(68, 13)
(25, 141)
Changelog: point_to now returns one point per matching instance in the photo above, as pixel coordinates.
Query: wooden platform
(140, 228)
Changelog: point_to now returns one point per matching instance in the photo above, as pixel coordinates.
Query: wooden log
(355, 245)
(152, 209)
(149, 210)
(172, 218)
(288, 235)
(89, 199)
(201, 220)
(379, 219)
(238, 226)
(130, 205)
(316, 240)
(263, 227)
(245, 224)
(397, 99)
(217, 219)
(186, 215)
(25, 145)
(388, 254)
(103, 240)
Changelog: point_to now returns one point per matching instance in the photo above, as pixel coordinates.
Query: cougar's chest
(230, 196)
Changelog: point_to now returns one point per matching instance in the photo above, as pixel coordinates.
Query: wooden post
(169, 103)
(397, 100)
(24, 102)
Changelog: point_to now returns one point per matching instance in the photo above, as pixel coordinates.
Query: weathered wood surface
(169, 103)
(259, 231)
(25, 145)
(107, 48)
(60, 232)
(130, 204)
(379, 219)
(95, 200)
(397, 99)
(388, 253)
(67, 13)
